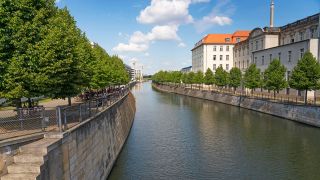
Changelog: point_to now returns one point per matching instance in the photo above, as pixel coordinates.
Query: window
(251, 46)
(243, 51)
(227, 57)
(312, 33)
(227, 39)
(214, 48)
(262, 60)
(255, 60)
(248, 63)
(301, 34)
(292, 38)
(239, 64)
(227, 48)
(261, 43)
(239, 52)
(221, 48)
(214, 57)
(243, 65)
(289, 56)
(238, 40)
(279, 56)
(227, 67)
(301, 52)
(256, 45)
(214, 66)
(221, 57)
(220, 65)
(270, 58)
(248, 50)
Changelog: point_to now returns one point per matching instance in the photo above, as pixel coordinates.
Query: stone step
(28, 158)
(38, 148)
(24, 176)
(24, 168)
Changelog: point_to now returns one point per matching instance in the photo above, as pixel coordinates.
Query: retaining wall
(300, 113)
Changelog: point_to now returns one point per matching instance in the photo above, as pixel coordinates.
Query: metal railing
(25, 121)
(266, 96)
(69, 116)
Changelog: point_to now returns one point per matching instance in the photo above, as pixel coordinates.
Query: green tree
(190, 78)
(60, 60)
(198, 78)
(235, 78)
(21, 29)
(306, 75)
(221, 77)
(252, 77)
(274, 77)
(209, 77)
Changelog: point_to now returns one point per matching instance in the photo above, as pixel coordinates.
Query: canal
(179, 137)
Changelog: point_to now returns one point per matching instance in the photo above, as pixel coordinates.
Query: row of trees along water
(43, 52)
(305, 76)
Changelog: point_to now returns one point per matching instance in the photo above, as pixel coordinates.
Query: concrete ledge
(21, 139)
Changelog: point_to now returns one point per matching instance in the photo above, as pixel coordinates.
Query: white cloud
(139, 42)
(131, 47)
(166, 12)
(181, 45)
(219, 16)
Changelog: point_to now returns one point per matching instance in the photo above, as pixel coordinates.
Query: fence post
(59, 120)
(65, 120)
(80, 114)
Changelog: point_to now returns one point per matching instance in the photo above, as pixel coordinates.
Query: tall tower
(271, 13)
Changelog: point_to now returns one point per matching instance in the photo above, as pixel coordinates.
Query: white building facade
(216, 50)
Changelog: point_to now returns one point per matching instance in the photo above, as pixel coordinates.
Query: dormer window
(238, 40)
(227, 39)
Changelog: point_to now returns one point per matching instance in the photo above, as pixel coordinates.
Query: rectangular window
(270, 58)
(261, 43)
(312, 33)
(227, 57)
(255, 60)
(221, 48)
(214, 66)
(227, 39)
(262, 60)
(214, 57)
(292, 39)
(220, 65)
(256, 45)
(227, 67)
(221, 57)
(251, 46)
(214, 48)
(289, 56)
(239, 52)
(248, 63)
(301, 52)
(301, 34)
(279, 56)
(227, 48)
(238, 40)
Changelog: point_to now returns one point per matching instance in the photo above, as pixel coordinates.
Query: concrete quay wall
(300, 113)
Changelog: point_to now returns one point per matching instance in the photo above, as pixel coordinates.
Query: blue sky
(159, 34)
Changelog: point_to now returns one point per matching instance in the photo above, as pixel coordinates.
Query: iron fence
(25, 121)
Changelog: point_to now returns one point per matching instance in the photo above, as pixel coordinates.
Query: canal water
(179, 137)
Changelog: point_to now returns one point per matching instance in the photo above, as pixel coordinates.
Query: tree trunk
(274, 94)
(17, 102)
(306, 97)
(29, 103)
(69, 101)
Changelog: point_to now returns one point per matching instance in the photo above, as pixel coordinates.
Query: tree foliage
(209, 77)
(221, 77)
(274, 76)
(252, 77)
(43, 52)
(306, 75)
(235, 77)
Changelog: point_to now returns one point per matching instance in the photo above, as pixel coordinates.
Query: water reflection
(178, 137)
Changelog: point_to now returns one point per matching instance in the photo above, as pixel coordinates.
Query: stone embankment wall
(89, 150)
(300, 113)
